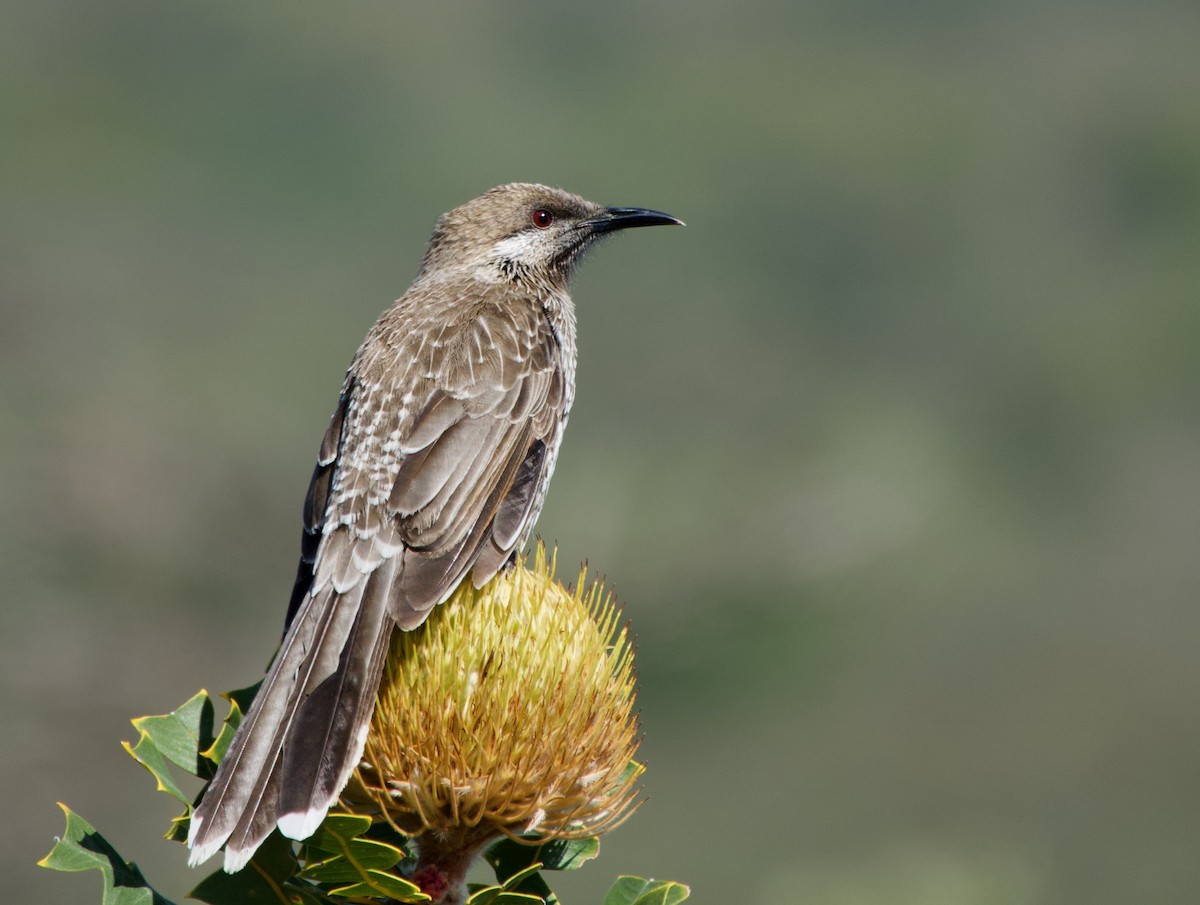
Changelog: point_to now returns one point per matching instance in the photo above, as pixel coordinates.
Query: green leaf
(636, 891)
(521, 876)
(180, 735)
(365, 854)
(524, 885)
(632, 771)
(82, 848)
(265, 879)
(357, 866)
(239, 703)
(176, 738)
(185, 738)
(568, 854)
(178, 831)
(336, 830)
(378, 884)
(509, 856)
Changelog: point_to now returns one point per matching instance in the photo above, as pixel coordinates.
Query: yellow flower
(509, 712)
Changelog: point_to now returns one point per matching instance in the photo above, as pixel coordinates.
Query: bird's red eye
(542, 218)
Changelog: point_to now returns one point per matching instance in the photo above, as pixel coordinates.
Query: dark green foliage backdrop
(893, 453)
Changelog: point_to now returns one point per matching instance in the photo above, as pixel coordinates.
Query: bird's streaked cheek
(525, 247)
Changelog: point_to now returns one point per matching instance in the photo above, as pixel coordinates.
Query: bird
(432, 472)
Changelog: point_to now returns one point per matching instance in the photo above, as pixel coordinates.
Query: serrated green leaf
(180, 734)
(636, 891)
(265, 879)
(175, 738)
(82, 848)
(239, 702)
(147, 754)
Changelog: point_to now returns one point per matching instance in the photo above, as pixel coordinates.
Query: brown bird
(433, 469)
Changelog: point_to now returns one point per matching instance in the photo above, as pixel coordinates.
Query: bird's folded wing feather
(433, 465)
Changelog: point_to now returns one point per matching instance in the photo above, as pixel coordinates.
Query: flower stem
(443, 862)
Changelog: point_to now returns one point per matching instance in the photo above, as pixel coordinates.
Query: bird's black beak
(615, 218)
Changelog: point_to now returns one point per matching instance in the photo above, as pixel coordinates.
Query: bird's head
(526, 233)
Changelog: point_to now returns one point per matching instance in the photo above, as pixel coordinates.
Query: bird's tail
(304, 734)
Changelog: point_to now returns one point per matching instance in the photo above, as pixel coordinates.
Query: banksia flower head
(509, 712)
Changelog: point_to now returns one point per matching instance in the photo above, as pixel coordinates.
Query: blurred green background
(893, 454)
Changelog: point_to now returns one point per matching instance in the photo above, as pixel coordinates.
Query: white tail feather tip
(302, 825)
(202, 853)
(237, 858)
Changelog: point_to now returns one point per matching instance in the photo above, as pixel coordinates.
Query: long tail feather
(329, 732)
(243, 796)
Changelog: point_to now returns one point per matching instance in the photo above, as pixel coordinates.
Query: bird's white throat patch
(526, 247)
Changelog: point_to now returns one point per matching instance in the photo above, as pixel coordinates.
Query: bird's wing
(316, 502)
(463, 468)
(423, 476)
